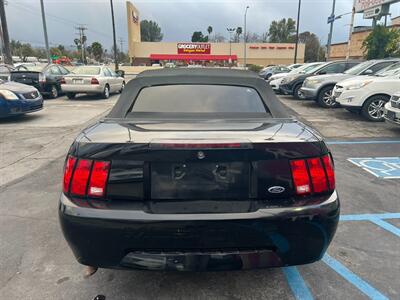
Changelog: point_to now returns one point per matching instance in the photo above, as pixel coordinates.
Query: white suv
(392, 110)
(369, 94)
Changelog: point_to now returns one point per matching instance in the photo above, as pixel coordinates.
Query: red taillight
(300, 177)
(88, 179)
(80, 177)
(313, 175)
(98, 179)
(317, 173)
(62, 81)
(329, 171)
(94, 81)
(68, 169)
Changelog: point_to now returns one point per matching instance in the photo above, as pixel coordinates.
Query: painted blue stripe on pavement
(360, 284)
(367, 217)
(360, 142)
(296, 283)
(385, 225)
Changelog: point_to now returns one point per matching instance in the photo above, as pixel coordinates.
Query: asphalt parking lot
(362, 262)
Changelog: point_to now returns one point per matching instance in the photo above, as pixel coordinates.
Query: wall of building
(257, 53)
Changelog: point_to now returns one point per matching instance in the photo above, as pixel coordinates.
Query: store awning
(193, 57)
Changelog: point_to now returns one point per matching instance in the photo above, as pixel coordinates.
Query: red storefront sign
(194, 48)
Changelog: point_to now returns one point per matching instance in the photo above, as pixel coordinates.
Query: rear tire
(53, 92)
(71, 96)
(106, 92)
(372, 109)
(325, 98)
(296, 92)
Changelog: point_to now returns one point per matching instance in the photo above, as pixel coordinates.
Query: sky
(177, 18)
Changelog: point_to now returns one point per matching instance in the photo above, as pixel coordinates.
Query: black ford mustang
(198, 169)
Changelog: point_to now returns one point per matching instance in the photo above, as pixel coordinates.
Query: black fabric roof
(206, 76)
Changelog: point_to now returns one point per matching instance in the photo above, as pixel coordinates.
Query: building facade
(147, 53)
(360, 33)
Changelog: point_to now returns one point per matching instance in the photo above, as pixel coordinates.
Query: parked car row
(22, 87)
(360, 87)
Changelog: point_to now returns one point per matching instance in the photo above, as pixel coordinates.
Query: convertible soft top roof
(200, 76)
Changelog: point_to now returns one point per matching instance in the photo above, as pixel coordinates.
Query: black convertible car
(198, 169)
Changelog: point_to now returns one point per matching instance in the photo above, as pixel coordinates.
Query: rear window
(198, 99)
(86, 70)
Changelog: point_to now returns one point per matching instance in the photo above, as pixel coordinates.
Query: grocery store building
(147, 53)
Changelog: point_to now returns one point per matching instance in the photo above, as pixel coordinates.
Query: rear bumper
(82, 88)
(271, 237)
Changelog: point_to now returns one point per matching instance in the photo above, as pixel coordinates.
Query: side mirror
(120, 73)
(368, 72)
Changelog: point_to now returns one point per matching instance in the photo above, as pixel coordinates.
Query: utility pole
(297, 32)
(328, 50)
(46, 39)
(244, 38)
(6, 38)
(82, 40)
(353, 13)
(115, 41)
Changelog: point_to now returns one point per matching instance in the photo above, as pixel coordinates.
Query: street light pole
(46, 39)
(297, 32)
(244, 38)
(6, 39)
(328, 50)
(353, 13)
(114, 38)
(230, 30)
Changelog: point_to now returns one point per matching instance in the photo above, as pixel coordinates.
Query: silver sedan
(98, 80)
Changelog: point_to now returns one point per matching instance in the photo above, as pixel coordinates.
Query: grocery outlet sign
(362, 5)
(194, 48)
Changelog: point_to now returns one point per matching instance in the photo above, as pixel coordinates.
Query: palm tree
(282, 31)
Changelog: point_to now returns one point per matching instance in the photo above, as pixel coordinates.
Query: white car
(276, 80)
(99, 80)
(369, 94)
(392, 110)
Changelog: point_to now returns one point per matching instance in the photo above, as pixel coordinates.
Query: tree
(25, 51)
(312, 45)
(150, 31)
(239, 31)
(382, 42)
(282, 31)
(198, 36)
(209, 30)
(97, 50)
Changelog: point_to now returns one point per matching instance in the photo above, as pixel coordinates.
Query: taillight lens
(68, 169)
(300, 177)
(94, 81)
(85, 177)
(313, 175)
(98, 179)
(80, 177)
(330, 172)
(62, 81)
(317, 173)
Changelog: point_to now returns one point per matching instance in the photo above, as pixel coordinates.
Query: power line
(55, 18)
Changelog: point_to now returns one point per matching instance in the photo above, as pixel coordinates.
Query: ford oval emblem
(276, 189)
(200, 155)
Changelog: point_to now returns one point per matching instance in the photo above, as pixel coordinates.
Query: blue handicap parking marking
(381, 167)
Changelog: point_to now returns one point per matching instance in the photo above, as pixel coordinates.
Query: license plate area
(200, 181)
(77, 81)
